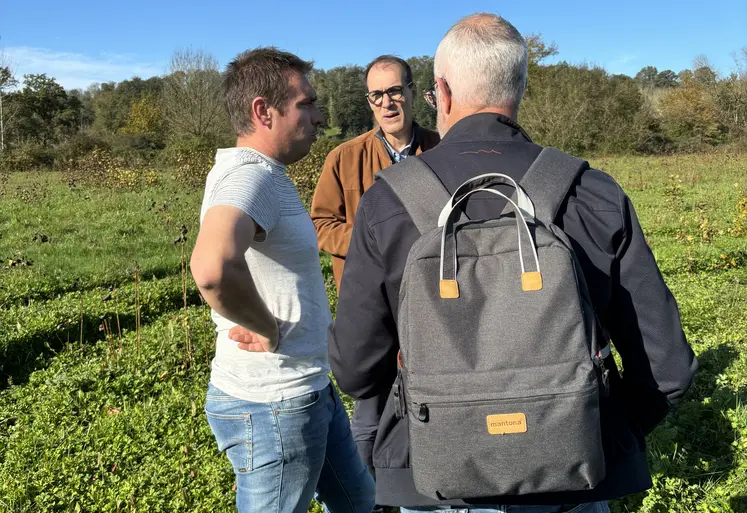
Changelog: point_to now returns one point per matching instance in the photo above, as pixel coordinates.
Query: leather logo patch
(507, 423)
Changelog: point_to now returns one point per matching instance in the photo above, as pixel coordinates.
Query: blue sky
(87, 41)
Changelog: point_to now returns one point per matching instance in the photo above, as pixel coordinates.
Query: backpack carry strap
(419, 190)
(548, 180)
(483, 183)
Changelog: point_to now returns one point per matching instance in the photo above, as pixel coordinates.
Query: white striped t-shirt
(285, 268)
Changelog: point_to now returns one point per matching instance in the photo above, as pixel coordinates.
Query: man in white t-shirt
(272, 409)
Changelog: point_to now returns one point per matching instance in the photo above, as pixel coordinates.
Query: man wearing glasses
(349, 169)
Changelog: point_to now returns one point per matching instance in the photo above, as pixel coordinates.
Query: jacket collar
(486, 126)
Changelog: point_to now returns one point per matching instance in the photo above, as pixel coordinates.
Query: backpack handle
(530, 281)
(482, 183)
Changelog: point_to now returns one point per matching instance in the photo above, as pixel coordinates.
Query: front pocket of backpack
(517, 446)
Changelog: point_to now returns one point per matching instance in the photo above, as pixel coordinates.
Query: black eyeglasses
(394, 93)
(430, 97)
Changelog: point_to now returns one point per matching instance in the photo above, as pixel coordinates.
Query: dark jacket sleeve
(644, 324)
(363, 341)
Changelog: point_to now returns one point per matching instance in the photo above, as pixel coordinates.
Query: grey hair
(483, 58)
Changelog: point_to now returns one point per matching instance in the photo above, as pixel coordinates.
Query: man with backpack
(484, 283)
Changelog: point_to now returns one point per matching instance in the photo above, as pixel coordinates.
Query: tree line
(578, 108)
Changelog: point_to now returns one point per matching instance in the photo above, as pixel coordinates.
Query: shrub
(191, 159)
(77, 146)
(134, 150)
(739, 227)
(93, 168)
(305, 173)
(101, 168)
(27, 157)
(690, 117)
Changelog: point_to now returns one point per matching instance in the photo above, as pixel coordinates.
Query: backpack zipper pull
(423, 413)
(400, 406)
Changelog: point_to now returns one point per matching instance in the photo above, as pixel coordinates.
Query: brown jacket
(348, 173)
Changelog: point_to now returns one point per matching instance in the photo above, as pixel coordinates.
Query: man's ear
(261, 114)
(444, 100)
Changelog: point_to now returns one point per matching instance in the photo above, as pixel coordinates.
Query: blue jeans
(591, 507)
(284, 452)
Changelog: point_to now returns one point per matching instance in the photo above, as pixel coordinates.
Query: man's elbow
(356, 382)
(351, 386)
(208, 273)
(348, 380)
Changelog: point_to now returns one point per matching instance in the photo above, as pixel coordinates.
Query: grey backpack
(501, 356)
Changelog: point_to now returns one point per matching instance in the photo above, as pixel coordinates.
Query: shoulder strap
(419, 190)
(549, 179)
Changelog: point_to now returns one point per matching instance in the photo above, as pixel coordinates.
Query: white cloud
(76, 70)
(627, 58)
(624, 63)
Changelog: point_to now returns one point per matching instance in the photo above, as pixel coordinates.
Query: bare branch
(192, 100)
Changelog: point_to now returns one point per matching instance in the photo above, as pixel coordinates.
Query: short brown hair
(389, 59)
(261, 72)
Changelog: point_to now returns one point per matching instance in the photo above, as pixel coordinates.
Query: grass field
(105, 344)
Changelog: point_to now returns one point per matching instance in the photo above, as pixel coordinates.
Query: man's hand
(249, 341)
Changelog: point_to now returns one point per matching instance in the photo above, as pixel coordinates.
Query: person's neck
(260, 144)
(401, 139)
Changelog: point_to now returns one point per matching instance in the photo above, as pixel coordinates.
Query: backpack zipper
(423, 409)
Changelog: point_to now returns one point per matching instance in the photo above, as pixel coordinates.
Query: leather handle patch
(507, 423)
(531, 281)
(449, 289)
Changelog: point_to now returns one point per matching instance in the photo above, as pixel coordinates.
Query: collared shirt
(394, 154)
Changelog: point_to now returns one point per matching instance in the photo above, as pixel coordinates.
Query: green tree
(112, 102)
(146, 119)
(731, 97)
(667, 78)
(581, 109)
(705, 76)
(46, 112)
(108, 114)
(7, 81)
(320, 82)
(731, 100)
(703, 71)
(690, 115)
(647, 76)
(348, 107)
(422, 77)
(538, 51)
(685, 75)
(86, 107)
